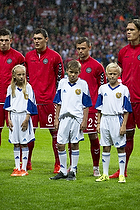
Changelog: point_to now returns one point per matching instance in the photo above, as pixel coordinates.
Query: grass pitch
(37, 192)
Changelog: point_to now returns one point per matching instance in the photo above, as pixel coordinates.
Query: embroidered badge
(78, 91)
(139, 57)
(26, 96)
(88, 70)
(118, 95)
(45, 61)
(9, 60)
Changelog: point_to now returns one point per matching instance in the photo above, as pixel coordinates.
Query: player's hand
(98, 128)
(56, 124)
(10, 125)
(122, 130)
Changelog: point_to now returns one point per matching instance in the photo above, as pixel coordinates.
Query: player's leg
(16, 171)
(122, 161)
(3, 117)
(129, 143)
(55, 150)
(31, 144)
(94, 142)
(63, 163)
(95, 152)
(25, 152)
(105, 162)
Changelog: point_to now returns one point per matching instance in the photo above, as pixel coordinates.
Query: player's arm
(59, 71)
(123, 126)
(83, 125)
(101, 79)
(56, 120)
(24, 125)
(98, 121)
(10, 121)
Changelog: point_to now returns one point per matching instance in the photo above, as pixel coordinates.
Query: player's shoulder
(53, 52)
(82, 81)
(30, 53)
(15, 52)
(125, 48)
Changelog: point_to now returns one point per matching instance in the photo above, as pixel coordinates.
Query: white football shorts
(110, 131)
(69, 131)
(17, 135)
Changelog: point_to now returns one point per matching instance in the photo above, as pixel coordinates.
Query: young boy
(20, 104)
(113, 104)
(72, 104)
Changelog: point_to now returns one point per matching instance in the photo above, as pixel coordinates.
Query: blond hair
(13, 81)
(113, 65)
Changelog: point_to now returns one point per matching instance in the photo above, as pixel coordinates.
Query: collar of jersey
(114, 87)
(72, 84)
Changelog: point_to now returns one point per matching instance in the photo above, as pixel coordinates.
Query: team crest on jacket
(88, 70)
(139, 57)
(26, 96)
(45, 61)
(78, 91)
(118, 95)
(9, 60)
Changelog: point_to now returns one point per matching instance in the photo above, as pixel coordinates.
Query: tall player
(93, 72)
(8, 59)
(45, 69)
(129, 61)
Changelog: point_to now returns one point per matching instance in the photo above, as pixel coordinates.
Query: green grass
(36, 191)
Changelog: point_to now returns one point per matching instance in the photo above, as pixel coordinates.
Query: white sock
(17, 157)
(63, 161)
(25, 152)
(74, 160)
(105, 161)
(122, 161)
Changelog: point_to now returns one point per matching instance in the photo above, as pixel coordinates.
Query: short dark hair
(41, 31)
(83, 39)
(74, 64)
(4, 32)
(136, 22)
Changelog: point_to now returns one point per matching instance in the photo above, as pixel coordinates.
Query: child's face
(112, 76)
(20, 76)
(73, 75)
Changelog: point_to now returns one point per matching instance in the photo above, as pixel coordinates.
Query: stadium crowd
(102, 21)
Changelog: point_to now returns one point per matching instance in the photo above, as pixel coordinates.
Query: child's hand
(24, 125)
(10, 125)
(122, 130)
(83, 125)
(56, 124)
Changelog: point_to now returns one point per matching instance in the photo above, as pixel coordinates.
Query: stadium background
(103, 21)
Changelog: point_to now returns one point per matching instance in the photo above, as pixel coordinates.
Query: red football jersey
(8, 60)
(44, 71)
(129, 61)
(93, 72)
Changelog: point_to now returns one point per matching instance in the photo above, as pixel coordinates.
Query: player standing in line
(94, 74)
(8, 59)
(113, 105)
(72, 104)
(129, 61)
(45, 70)
(20, 104)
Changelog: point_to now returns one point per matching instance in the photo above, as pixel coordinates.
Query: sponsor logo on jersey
(88, 70)
(139, 57)
(26, 96)
(118, 95)
(78, 91)
(9, 61)
(45, 61)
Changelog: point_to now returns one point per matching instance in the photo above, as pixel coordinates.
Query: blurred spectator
(102, 21)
